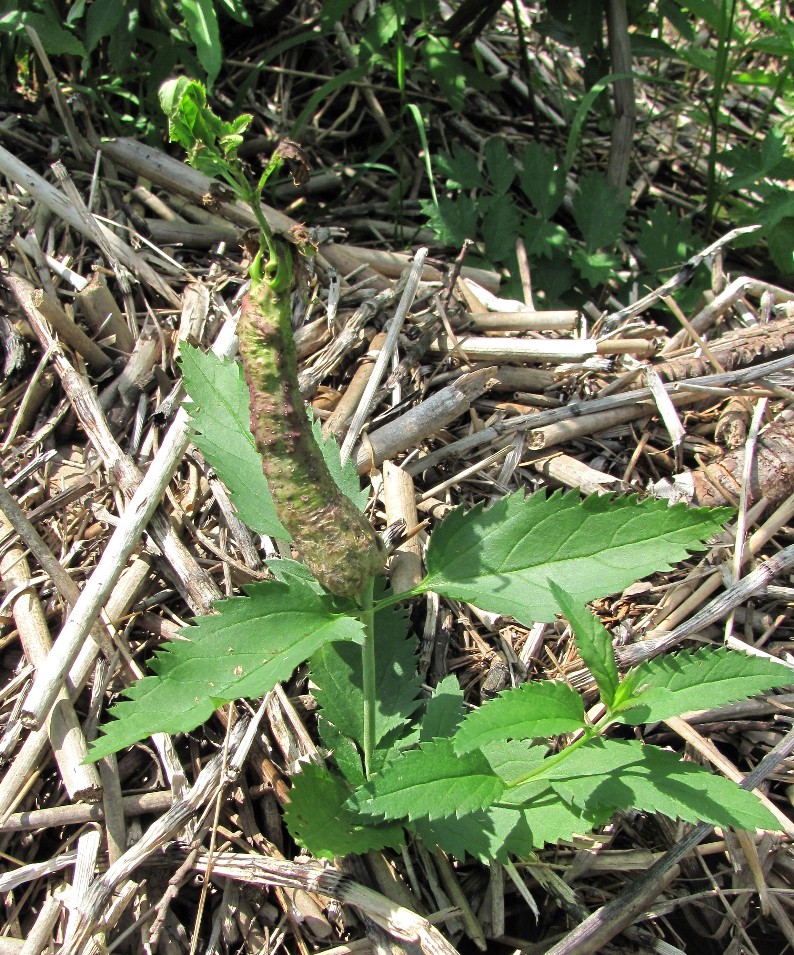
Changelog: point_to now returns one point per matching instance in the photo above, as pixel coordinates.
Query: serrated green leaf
(381, 28)
(460, 167)
(486, 835)
(697, 680)
(500, 227)
(500, 831)
(219, 410)
(398, 741)
(452, 220)
(781, 245)
(664, 239)
(285, 569)
(443, 711)
(777, 207)
(202, 26)
(337, 671)
(210, 142)
(596, 268)
(251, 644)
(543, 709)
(501, 559)
(430, 782)
(753, 163)
(599, 210)
(593, 643)
(343, 751)
(319, 818)
(345, 475)
(556, 279)
(542, 179)
(499, 164)
(548, 240)
(514, 759)
(624, 773)
(551, 820)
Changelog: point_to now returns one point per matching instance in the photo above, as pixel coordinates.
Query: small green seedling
(522, 770)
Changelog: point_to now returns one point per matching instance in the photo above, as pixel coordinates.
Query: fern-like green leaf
(697, 680)
(503, 558)
(430, 782)
(543, 709)
(593, 643)
(251, 644)
(319, 819)
(219, 412)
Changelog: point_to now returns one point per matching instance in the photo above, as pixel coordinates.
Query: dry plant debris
(113, 533)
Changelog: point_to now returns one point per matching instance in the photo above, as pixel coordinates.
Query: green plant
(578, 248)
(488, 782)
(403, 36)
(482, 206)
(118, 53)
(751, 48)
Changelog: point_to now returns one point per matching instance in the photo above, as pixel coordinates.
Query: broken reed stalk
(522, 350)
(63, 727)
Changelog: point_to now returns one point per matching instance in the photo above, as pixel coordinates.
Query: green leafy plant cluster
(403, 36)
(522, 770)
(576, 243)
(480, 203)
(118, 53)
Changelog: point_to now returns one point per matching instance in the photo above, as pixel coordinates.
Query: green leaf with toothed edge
(593, 643)
(547, 708)
(502, 558)
(500, 831)
(219, 411)
(252, 643)
(319, 818)
(345, 475)
(444, 710)
(625, 773)
(696, 680)
(336, 669)
(343, 751)
(599, 209)
(429, 783)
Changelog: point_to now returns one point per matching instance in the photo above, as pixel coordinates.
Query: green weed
(522, 770)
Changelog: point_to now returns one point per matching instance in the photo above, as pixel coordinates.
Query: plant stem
(563, 754)
(368, 672)
(253, 196)
(255, 201)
